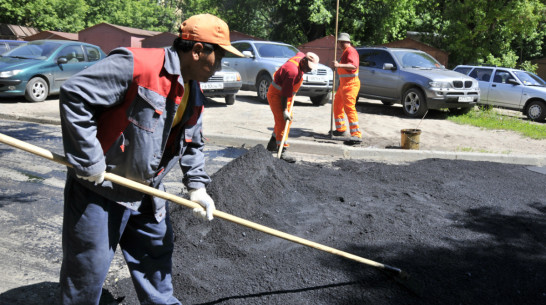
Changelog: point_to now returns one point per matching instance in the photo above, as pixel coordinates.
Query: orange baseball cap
(208, 28)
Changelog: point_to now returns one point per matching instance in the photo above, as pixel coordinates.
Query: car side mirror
(248, 54)
(62, 60)
(512, 81)
(387, 66)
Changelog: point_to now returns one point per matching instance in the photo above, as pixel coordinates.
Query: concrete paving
(248, 123)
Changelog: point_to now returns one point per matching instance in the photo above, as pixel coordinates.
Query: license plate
(315, 78)
(205, 86)
(466, 99)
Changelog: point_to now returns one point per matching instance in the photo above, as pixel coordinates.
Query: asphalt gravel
(466, 233)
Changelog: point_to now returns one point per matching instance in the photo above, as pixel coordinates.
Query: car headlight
(439, 85)
(5, 74)
(231, 77)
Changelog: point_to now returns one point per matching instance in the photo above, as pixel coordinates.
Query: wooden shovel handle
(190, 204)
(285, 133)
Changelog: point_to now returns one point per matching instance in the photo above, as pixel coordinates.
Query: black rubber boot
(286, 157)
(272, 145)
(336, 133)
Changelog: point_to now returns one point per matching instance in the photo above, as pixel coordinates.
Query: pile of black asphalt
(464, 232)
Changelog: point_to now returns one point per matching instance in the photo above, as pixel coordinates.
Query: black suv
(415, 79)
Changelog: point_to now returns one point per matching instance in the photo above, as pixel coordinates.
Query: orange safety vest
(346, 73)
(296, 61)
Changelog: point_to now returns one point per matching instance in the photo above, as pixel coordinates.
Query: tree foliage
(471, 31)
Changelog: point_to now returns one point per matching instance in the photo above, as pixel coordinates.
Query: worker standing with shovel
(280, 96)
(136, 114)
(347, 93)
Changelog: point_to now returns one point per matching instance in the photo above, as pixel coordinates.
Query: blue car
(39, 68)
(7, 45)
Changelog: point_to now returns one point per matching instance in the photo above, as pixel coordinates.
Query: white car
(510, 88)
(224, 83)
(263, 58)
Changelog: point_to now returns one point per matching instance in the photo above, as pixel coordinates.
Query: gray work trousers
(93, 226)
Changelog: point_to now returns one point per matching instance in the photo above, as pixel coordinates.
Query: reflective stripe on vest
(276, 86)
(349, 75)
(292, 60)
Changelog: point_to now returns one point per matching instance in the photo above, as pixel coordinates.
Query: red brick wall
(159, 41)
(109, 38)
(324, 48)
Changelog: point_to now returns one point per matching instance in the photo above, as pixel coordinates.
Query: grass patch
(490, 118)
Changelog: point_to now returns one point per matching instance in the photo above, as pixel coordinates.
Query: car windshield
(275, 50)
(529, 79)
(34, 50)
(410, 59)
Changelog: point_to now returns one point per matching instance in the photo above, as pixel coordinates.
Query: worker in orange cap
(137, 113)
(286, 83)
(347, 92)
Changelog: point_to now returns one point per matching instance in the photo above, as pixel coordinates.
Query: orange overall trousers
(345, 101)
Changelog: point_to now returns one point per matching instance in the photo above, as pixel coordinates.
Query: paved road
(249, 122)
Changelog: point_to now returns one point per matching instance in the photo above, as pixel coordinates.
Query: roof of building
(133, 31)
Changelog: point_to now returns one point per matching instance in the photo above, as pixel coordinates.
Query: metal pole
(334, 80)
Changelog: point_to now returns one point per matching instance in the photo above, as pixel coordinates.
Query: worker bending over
(137, 114)
(286, 83)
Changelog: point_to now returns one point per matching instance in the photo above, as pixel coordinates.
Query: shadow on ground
(44, 293)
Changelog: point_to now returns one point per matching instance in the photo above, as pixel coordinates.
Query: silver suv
(263, 58)
(510, 88)
(414, 79)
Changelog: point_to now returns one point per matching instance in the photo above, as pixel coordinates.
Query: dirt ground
(465, 233)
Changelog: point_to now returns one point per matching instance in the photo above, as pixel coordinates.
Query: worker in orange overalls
(286, 82)
(347, 92)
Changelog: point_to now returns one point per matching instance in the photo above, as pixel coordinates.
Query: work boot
(353, 140)
(356, 139)
(272, 145)
(286, 157)
(336, 133)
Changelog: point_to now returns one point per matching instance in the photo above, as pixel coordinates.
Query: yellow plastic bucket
(410, 138)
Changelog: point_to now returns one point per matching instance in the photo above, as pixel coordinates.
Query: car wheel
(263, 85)
(320, 100)
(387, 103)
(536, 111)
(230, 99)
(414, 103)
(36, 90)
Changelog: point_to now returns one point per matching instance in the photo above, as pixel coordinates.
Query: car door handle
(226, 63)
(493, 85)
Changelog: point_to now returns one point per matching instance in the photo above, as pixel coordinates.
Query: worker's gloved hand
(200, 196)
(286, 115)
(97, 179)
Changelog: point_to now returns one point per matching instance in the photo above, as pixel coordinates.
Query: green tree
(470, 31)
(58, 15)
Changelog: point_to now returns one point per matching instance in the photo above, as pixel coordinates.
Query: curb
(377, 154)
(342, 151)
(31, 119)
